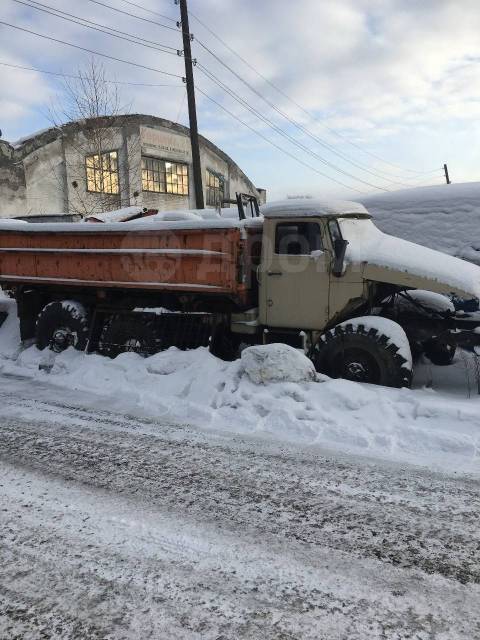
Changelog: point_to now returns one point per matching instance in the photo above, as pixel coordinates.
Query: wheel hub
(356, 371)
(62, 339)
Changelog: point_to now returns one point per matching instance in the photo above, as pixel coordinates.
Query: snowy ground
(120, 527)
(173, 498)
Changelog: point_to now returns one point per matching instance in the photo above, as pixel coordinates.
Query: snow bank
(444, 217)
(277, 363)
(9, 330)
(423, 426)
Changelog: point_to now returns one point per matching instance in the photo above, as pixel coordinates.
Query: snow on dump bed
(444, 217)
(165, 220)
(193, 387)
(368, 244)
(119, 215)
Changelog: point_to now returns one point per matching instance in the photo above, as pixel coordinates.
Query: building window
(102, 173)
(215, 188)
(161, 176)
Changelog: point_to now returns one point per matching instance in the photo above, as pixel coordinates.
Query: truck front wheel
(361, 354)
(61, 325)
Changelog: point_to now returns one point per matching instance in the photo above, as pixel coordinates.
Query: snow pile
(444, 217)
(9, 330)
(277, 363)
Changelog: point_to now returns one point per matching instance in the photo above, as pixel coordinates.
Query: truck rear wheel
(128, 334)
(61, 325)
(361, 354)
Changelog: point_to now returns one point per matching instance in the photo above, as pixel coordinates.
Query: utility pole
(192, 109)
(447, 177)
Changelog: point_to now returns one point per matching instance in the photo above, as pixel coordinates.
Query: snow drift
(255, 395)
(444, 217)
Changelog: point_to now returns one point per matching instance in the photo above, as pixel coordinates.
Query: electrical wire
(283, 133)
(98, 27)
(294, 102)
(96, 53)
(273, 144)
(155, 13)
(132, 15)
(76, 77)
(269, 122)
(297, 124)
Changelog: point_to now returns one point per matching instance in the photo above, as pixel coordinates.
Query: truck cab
(304, 280)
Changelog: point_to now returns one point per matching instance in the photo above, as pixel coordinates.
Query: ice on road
(117, 527)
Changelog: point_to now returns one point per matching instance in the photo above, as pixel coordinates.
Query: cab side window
(298, 238)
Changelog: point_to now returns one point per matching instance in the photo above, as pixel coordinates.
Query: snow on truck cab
(317, 275)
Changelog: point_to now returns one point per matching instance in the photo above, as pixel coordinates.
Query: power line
(98, 27)
(132, 15)
(290, 138)
(271, 142)
(155, 13)
(297, 124)
(76, 77)
(95, 53)
(283, 133)
(279, 90)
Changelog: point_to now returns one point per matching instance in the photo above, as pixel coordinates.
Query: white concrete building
(103, 164)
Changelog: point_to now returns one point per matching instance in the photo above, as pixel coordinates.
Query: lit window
(161, 176)
(215, 188)
(102, 173)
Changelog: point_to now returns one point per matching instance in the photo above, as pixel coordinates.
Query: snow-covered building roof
(314, 208)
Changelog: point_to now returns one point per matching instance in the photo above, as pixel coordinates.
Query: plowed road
(118, 527)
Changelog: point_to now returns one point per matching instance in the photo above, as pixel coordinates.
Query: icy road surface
(116, 527)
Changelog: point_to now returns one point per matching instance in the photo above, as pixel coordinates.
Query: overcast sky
(396, 80)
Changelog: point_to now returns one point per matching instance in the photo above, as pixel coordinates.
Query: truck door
(295, 274)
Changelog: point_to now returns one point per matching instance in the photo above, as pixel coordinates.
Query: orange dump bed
(195, 259)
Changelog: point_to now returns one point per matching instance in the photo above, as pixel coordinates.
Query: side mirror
(340, 248)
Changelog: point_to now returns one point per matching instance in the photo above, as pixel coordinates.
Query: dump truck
(319, 276)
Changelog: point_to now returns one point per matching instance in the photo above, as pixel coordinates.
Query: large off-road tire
(361, 354)
(439, 353)
(129, 334)
(62, 324)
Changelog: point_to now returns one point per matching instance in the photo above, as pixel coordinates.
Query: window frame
(340, 235)
(101, 171)
(165, 174)
(291, 223)
(208, 188)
